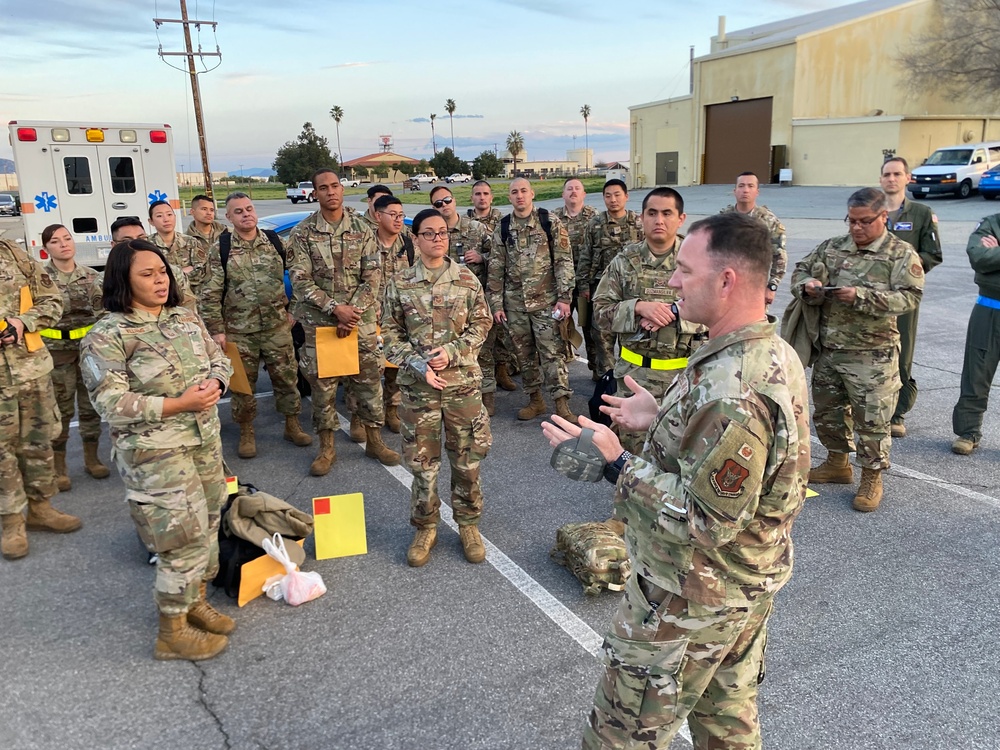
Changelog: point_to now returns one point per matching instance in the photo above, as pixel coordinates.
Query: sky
(525, 65)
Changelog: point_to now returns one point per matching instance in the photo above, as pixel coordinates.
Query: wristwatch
(613, 470)
(772, 285)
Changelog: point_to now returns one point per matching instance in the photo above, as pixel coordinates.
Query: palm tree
(585, 111)
(515, 145)
(433, 142)
(338, 114)
(449, 107)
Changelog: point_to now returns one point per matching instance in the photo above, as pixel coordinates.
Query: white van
(955, 169)
(85, 175)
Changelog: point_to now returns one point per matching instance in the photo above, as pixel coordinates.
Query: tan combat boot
(91, 463)
(535, 407)
(489, 401)
(14, 540)
(869, 492)
(472, 544)
(562, 409)
(504, 379)
(62, 475)
(421, 546)
(179, 640)
(294, 433)
(378, 450)
(392, 418)
(204, 616)
(357, 429)
(327, 454)
(43, 517)
(835, 470)
(248, 445)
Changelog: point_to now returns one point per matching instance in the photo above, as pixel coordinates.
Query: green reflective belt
(634, 358)
(74, 334)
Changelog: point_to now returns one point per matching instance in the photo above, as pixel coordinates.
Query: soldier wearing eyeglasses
(860, 281)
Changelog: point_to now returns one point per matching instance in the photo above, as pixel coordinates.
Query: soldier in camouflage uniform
(155, 375)
(29, 417)
(75, 283)
(434, 323)
(746, 191)
(203, 225)
(336, 275)
(708, 510)
(181, 250)
(862, 281)
(607, 234)
(634, 299)
(576, 217)
(374, 193)
(482, 206)
(244, 304)
(530, 286)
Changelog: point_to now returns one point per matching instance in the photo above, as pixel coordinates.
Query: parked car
(989, 183)
(304, 192)
(349, 183)
(458, 178)
(9, 205)
(954, 169)
(423, 178)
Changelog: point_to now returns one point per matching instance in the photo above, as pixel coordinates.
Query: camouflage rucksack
(595, 553)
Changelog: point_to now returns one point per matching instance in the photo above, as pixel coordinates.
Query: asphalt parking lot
(884, 638)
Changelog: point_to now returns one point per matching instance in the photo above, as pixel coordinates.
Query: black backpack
(234, 551)
(543, 219)
(226, 244)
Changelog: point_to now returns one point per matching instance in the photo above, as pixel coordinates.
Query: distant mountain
(253, 172)
(6, 166)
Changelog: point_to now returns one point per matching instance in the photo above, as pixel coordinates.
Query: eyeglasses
(394, 215)
(861, 222)
(443, 202)
(429, 235)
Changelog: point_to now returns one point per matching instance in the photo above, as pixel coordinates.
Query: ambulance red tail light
(157, 136)
(27, 134)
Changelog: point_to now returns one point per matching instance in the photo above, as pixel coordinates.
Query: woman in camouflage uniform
(63, 341)
(155, 374)
(434, 322)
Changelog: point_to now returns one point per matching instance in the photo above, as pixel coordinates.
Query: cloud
(246, 77)
(567, 10)
(419, 119)
(468, 117)
(351, 65)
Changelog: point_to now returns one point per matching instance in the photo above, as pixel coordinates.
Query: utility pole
(190, 54)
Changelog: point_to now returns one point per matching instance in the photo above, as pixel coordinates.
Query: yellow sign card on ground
(238, 383)
(254, 573)
(811, 492)
(339, 526)
(336, 356)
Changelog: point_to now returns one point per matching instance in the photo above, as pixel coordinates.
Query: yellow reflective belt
(55, 333)
(653, 364)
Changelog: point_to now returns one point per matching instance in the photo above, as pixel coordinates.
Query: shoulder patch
(728, 479)
(917, 270)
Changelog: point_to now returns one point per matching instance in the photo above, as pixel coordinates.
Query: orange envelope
(32, 341)
(238, 383)
(385, 362)
(336, 356)
(254, 573)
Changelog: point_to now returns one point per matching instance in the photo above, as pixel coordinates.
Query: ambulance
(84, 175)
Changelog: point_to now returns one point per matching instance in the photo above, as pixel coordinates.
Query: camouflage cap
(578, 458)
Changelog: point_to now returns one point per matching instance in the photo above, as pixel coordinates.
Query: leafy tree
(423, 166)
(338, 114)
(381, 171)
(486, 165)
(585, 111)
(601, 165)
(449, 107)
(447, 163)
(515, 146)
(297, 160)
(404, 168)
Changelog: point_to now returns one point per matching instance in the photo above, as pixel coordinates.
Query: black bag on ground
(234, 551)
(607, 384)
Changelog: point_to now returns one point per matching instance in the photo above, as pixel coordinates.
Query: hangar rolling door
(737, 139)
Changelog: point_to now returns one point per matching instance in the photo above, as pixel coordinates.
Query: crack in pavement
(203, 699)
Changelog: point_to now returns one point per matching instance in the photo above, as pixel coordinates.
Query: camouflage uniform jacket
(133, 361)
(255, 288)
(637, 275)
(576, 228)
(779, 262)
(889, 279)
(213, 236)
(393, 258)
(186, 251)
(333, 265)
(916, 224)
(521, 274)
(17, 270)
(421, 315)
(491, 221)
(604, 239)
(985, 261)
(708, 507)
(75, 287)
(470, 234)
(188, 299)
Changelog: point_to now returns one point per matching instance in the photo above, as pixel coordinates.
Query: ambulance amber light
(157, 136)
(60, 135)
(27, 134)
(127, 136)
(95, 135)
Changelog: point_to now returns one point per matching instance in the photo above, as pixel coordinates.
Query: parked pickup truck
(304, 192)
(458, 178)
(423, 178)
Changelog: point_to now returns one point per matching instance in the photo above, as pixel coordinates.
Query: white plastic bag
(295, 587)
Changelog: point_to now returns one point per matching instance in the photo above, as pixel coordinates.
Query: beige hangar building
(820, 94)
